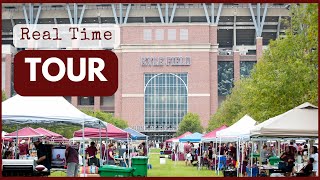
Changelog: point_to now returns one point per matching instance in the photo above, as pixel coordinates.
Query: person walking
(187, 153)
(314, 155)
(72, 161)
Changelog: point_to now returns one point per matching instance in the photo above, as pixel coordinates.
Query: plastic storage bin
(115, 171)
(274, 160)
(140, 166)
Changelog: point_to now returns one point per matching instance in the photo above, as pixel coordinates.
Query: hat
(103, 142)
(35, 139)
(22, 141)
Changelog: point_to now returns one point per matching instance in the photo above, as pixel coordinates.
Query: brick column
(259, 48)
(118, 94)
(96, 103)
(213, 63)
(8, 61)
(74, 101)
(213, 82)
(236, 62)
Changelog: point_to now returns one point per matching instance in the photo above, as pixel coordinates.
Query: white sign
(53, 36)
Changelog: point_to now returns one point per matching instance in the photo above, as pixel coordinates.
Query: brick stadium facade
(170, 67)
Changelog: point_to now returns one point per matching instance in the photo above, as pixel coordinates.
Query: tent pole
(251, 157)
(128, 146)
(216, 151)
(279, 147)
(100, 147)
(83, 151)
(308, 142)
(219, 156)
(107, 143)
(242, 157)
(238, 155)
(16, 144)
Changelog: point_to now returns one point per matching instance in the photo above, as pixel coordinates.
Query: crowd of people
(290, 154)
(73, 154)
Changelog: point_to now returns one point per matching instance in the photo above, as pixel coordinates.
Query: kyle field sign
(166, 61)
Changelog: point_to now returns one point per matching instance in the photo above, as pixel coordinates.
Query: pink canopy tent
(177, 138)
(52, 135)
(212, 134)
(112, 132)
(49, 133)
(25, 132)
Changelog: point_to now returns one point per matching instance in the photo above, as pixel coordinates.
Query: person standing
(210, 153)
(264, 154)
(103, 150)
(144, 149)
(11, 150)
(288, 158)
(111, 160)
(42, 153)
(91, 153)
(187, 152)
(314, 155)
(23, 149)
(72, 161)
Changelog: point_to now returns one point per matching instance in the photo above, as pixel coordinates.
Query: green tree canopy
(190, 122)
(4, 96)
(285, 77)
(107, 117)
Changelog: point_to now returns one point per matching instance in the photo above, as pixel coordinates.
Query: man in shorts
(187, 153)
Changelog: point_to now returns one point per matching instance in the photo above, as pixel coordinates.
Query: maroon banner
(66, 73)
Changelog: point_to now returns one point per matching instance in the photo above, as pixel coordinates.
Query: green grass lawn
(176, 169)
(170, 169)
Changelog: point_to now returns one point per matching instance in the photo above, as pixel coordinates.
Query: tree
(107, 117)
(190, 122)
(4, 96)
(285, 77)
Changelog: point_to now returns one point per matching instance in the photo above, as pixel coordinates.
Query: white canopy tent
(301, 121)
(240, 129)
(236, 132)
(45, 110)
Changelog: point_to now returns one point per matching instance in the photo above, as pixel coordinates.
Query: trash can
(115, 171)
(162, 160)
(140, 166)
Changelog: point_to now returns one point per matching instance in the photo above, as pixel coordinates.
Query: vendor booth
(238, 132)
(20, 110)
(298, 123)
